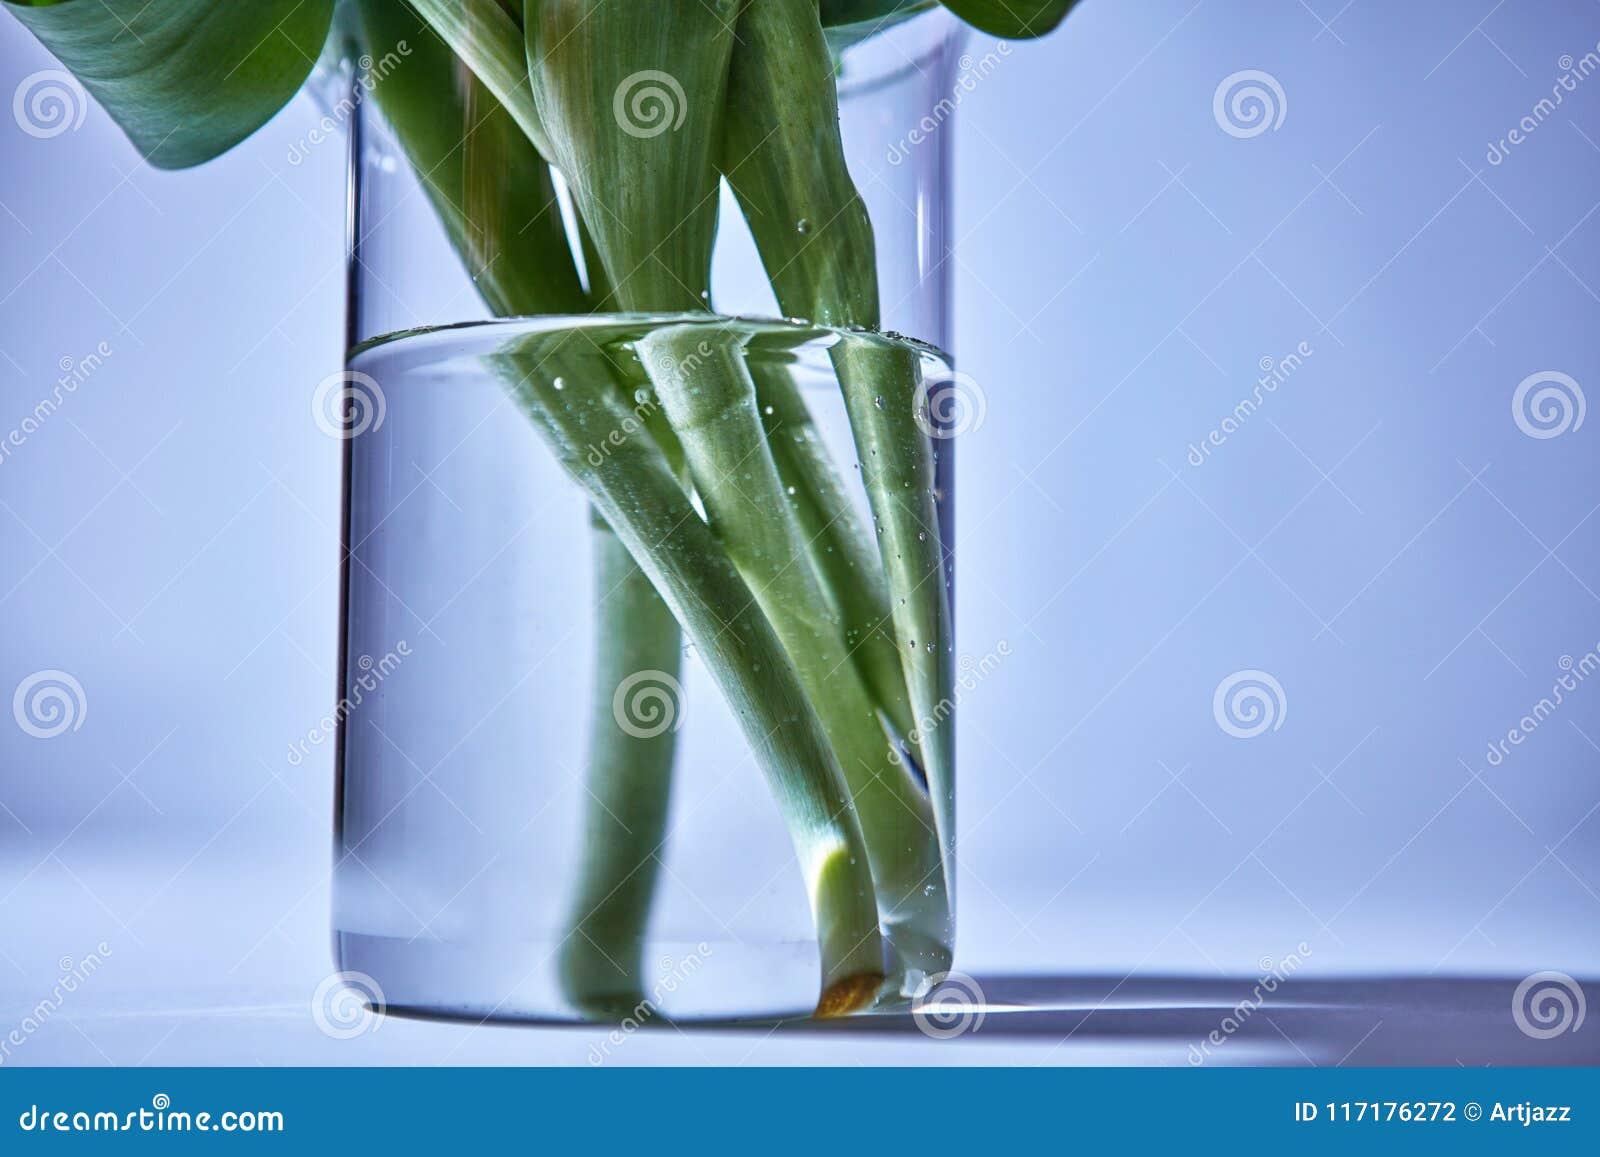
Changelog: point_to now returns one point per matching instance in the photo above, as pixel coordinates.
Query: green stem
(783, 155)
(635, 489)
(845, 556)
(701, 377)
(628, 781)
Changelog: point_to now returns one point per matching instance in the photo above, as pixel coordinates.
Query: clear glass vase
(561, 794)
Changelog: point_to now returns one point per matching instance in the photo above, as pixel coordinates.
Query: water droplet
(933, 649)
(879, 402)
(803, 225)
(791, 489)
(922, 536)
(559, 383)
(767, 410)
(641, 395)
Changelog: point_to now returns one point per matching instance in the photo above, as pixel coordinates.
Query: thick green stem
(627, 784)
(845, 555)
(634, 488)
(700, 374)
(783, 156)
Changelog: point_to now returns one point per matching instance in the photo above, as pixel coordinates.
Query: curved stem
(634, 488)
(700, 374)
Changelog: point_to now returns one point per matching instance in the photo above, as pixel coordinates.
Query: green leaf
(186, 79)
(492, 190)
(631, 95)
(1013, 19)
(489, 41)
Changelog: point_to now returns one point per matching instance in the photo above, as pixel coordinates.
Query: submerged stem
(700, 374)
(630, 771)
(634, 488)
(783, 155)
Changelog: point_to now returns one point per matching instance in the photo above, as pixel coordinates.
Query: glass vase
(571, 785)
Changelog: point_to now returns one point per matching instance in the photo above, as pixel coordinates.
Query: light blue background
(1380, 536)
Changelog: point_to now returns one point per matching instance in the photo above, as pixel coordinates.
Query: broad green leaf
(489, 41)
(1013, 19)
(186, 79)
(631, 96)
(848, 21)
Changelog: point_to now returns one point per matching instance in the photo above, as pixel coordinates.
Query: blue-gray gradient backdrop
(1395, 542)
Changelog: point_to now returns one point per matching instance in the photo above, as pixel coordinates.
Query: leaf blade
(185, 79)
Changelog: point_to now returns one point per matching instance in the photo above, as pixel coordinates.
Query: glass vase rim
(823, 336)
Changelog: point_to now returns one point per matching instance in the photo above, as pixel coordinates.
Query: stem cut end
(849, 994)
